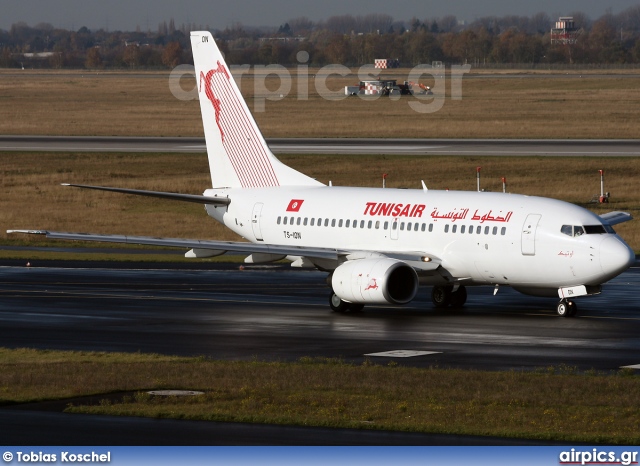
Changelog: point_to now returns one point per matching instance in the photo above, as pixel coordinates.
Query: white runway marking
(403, 353)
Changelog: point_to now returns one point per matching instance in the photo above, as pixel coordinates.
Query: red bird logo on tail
(217, 105)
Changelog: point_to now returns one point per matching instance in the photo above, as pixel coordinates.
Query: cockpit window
(595, 229)
(572, 230)
(577, 230)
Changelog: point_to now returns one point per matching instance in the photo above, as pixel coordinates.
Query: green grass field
(554, 403)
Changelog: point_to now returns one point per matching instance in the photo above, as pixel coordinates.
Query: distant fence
(556, 66)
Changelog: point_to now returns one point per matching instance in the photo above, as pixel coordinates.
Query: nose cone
(615, 256)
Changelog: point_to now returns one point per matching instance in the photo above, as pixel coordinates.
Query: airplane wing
(613, 218)
(232, 246)
(418, 260)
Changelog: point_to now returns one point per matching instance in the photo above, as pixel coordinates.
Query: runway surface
(465, 147)
(275, 313)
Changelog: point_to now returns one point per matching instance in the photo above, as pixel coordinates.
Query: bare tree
(172, 55)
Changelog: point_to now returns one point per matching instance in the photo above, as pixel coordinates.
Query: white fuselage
(485, 238)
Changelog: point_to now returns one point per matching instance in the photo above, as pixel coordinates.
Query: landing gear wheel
(459, 297)
(441, 296)
(338, 305)
(566, 308)
(356, 307)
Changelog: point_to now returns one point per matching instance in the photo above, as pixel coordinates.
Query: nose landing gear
(566, 308)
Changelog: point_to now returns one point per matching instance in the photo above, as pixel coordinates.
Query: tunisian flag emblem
(294, 205)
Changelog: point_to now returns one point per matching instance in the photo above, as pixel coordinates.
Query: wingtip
(28, 232)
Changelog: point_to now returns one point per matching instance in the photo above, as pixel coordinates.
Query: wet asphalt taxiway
(279, 313)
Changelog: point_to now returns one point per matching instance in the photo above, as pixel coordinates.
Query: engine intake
(375, 281)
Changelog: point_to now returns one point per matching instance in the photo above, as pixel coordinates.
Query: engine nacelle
(375, 281)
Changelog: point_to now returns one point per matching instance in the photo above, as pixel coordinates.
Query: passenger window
(333, 223)
(340, 223)
(361, 223)
(446, 228)
(478, 230)
(415, 226)
(305, 221)
(462, 227)
(495, 230)
(486, 230)
(409, 226)
(326, 222)
(279, 219)
(395, 225)
(370, 224)
(386, 225)
(402, 226)
(347, 223)
(430, 227)
(377, 224)
(454, 228)
(298, 222)
(313, 221)
(284, 221)
(355, 224)
(424, 226)
(503, 231)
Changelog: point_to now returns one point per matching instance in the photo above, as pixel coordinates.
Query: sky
(218, 14)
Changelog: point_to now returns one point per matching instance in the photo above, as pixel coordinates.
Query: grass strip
(558, 106)
(556, 403)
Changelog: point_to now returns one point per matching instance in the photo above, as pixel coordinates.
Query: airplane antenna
(330, 183)
(478, 177)
(504, 184)
(424, 186)
(384, 180)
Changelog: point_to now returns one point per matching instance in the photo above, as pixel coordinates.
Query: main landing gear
(443, 296)
(566, 308)
(338, 305)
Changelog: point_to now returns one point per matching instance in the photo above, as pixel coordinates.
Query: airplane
(379, 245)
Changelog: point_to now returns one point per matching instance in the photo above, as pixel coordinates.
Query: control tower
(565, 31)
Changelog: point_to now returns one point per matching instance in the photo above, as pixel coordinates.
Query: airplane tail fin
(239, 157)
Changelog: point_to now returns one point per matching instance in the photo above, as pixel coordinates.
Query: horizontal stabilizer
(221, 201)
(613, 218)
